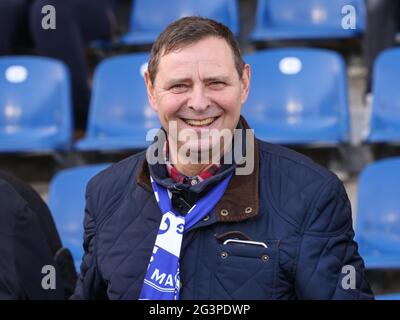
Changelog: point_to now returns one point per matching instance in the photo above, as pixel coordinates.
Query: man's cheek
(229, 101)
(172, 108)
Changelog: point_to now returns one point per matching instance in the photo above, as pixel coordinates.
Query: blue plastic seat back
(309, 18)
(67, 205)
(155, 15)
(119, 105)
(388, 296)
(298, 96)
(378, 215)
(35, 104)
(385, 116)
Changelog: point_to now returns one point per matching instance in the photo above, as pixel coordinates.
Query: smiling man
(196, 227)
(202, 97)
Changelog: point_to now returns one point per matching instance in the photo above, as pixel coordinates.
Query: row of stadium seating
(275, 19)
(377, 225)
(298, 96)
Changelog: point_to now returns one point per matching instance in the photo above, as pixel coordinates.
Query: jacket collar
(240, 200)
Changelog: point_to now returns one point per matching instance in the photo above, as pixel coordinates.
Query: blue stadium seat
(378, 215)
(35, 105)
(150, 17)
(67, 205)
(305, 19)
(385, 115)
(119, 115)
(298, 96)
(389, 296)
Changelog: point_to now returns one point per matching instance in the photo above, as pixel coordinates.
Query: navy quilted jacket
(299, 209)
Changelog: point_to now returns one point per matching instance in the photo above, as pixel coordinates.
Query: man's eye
(217, 85)
(177, 88)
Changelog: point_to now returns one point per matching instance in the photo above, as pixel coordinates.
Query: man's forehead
(209, 53)
(204, 70)
(181, 65)
(206, 42)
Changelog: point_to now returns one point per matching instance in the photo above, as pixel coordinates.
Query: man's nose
(198, 100)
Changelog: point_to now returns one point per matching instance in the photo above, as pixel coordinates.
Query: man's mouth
(201, 122)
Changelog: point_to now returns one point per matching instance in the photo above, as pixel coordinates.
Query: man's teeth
(204, 122)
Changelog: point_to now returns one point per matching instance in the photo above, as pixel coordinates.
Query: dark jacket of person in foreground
(297, 208)
(33, 264)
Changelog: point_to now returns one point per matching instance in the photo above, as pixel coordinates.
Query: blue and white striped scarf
(162, 278)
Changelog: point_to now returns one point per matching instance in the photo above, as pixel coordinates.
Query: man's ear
(245, 83)
(150, 91)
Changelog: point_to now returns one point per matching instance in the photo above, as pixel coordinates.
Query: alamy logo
(349, 280)
(205, 147)
(49, 20)
(349, 19)
(49, 280)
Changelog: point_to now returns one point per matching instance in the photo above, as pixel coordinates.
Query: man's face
(199, 88)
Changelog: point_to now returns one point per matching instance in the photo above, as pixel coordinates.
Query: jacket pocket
(245, 271)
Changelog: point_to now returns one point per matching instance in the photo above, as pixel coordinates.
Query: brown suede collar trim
(240, 201)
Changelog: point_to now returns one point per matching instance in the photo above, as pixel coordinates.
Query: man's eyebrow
(221, 78)
(172, 82)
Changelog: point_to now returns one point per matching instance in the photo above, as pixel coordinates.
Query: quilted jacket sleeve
(89, 284)
(328, 264)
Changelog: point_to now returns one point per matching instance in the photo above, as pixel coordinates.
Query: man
(181, 228)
